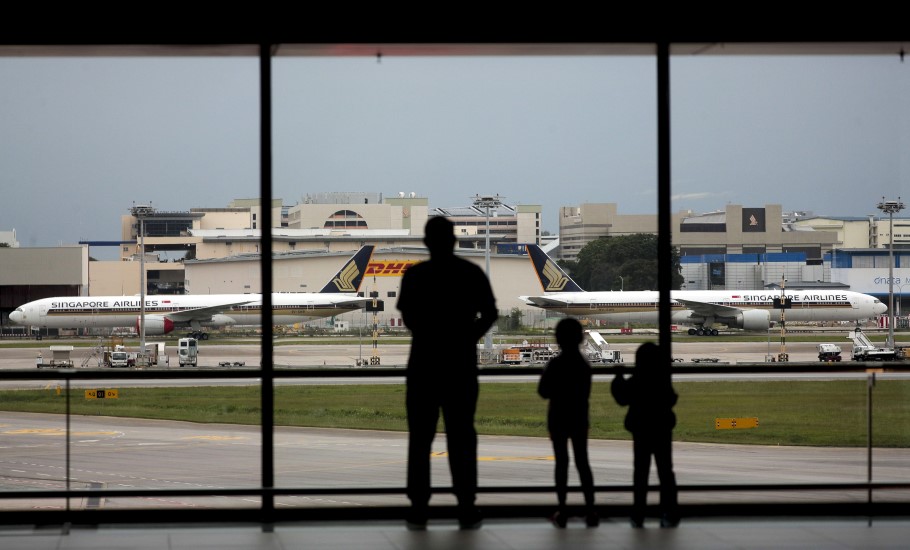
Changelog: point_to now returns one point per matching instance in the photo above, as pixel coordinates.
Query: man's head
(439, 235)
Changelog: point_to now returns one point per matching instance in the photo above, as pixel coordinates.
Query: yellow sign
(735, 423)
(102, 394)
(388, 268)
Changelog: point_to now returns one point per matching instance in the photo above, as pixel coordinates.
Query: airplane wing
(544, 301)
(708, 309)
(362, 301)
(201, 313)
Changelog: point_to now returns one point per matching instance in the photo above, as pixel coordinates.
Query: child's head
(648, 362)
(569, 333)
(647, 353)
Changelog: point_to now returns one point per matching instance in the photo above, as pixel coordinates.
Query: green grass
(829, 413)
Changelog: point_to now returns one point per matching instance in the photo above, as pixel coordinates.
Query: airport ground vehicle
(119, 359)
(829, 352)
(116, 357)
(187, 352)
(865, 350)
(528, 354)
(597, 350)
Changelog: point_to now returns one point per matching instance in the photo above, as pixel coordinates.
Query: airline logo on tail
(350, 276)
(556, 281)
(552, 277)
(344, 282)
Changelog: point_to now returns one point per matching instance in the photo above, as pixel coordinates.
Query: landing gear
(199, 335)
(701, 331)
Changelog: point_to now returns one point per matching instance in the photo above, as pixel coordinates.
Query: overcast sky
(82, 139)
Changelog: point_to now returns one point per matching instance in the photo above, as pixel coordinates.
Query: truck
(187, 352)
(116, 357)
(119, 359)
(829, 353)
(865, 350)
(597, 350)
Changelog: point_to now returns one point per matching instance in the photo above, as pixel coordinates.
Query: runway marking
(216, 437)
(53, 431)
(442, 454)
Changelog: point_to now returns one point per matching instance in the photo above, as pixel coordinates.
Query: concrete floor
(495, 534)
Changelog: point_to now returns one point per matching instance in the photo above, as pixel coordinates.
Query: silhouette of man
(566, 382)
(448, 305)
(650, 397)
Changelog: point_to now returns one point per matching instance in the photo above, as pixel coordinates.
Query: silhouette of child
(650, 397)
(566, 382)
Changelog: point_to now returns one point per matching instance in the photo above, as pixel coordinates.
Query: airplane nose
(15, 317)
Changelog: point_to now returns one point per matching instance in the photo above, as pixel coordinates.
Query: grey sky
(81, 139)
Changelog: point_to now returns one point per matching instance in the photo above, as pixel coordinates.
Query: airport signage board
(102, 394)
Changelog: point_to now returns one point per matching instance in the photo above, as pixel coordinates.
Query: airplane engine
(753, 319)
(220, 320)
(155, 325)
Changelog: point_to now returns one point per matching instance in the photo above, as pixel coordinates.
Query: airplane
(751, 310)
(164, 313)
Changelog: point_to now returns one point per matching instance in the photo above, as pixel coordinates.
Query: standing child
(650, 397)
(566, 382)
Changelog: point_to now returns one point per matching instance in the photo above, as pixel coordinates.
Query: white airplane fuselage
(642, 306)
(163, 313)
(742, 309)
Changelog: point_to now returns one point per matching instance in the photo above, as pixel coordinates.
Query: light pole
(140, 212)
(900, 294)
(890, 207)
(487, 202)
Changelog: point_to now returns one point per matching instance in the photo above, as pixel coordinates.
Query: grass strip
(814, 413)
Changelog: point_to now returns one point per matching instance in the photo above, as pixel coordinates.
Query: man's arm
(487, 312)
(487, 317)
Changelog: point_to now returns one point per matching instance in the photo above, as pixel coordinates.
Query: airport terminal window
(767, 398)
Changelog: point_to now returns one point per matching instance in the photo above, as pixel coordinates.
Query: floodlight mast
(890, 207)
(140, 212)
(487, 202)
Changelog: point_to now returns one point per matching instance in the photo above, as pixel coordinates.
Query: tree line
(626, 262)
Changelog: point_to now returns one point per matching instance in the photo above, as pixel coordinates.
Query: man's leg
(458, 411)
(423, 415)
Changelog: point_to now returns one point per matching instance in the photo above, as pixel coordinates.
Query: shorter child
(566, 382)
(650, 396)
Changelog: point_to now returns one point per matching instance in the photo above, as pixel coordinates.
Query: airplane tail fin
(349, 277)
(552, 277)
